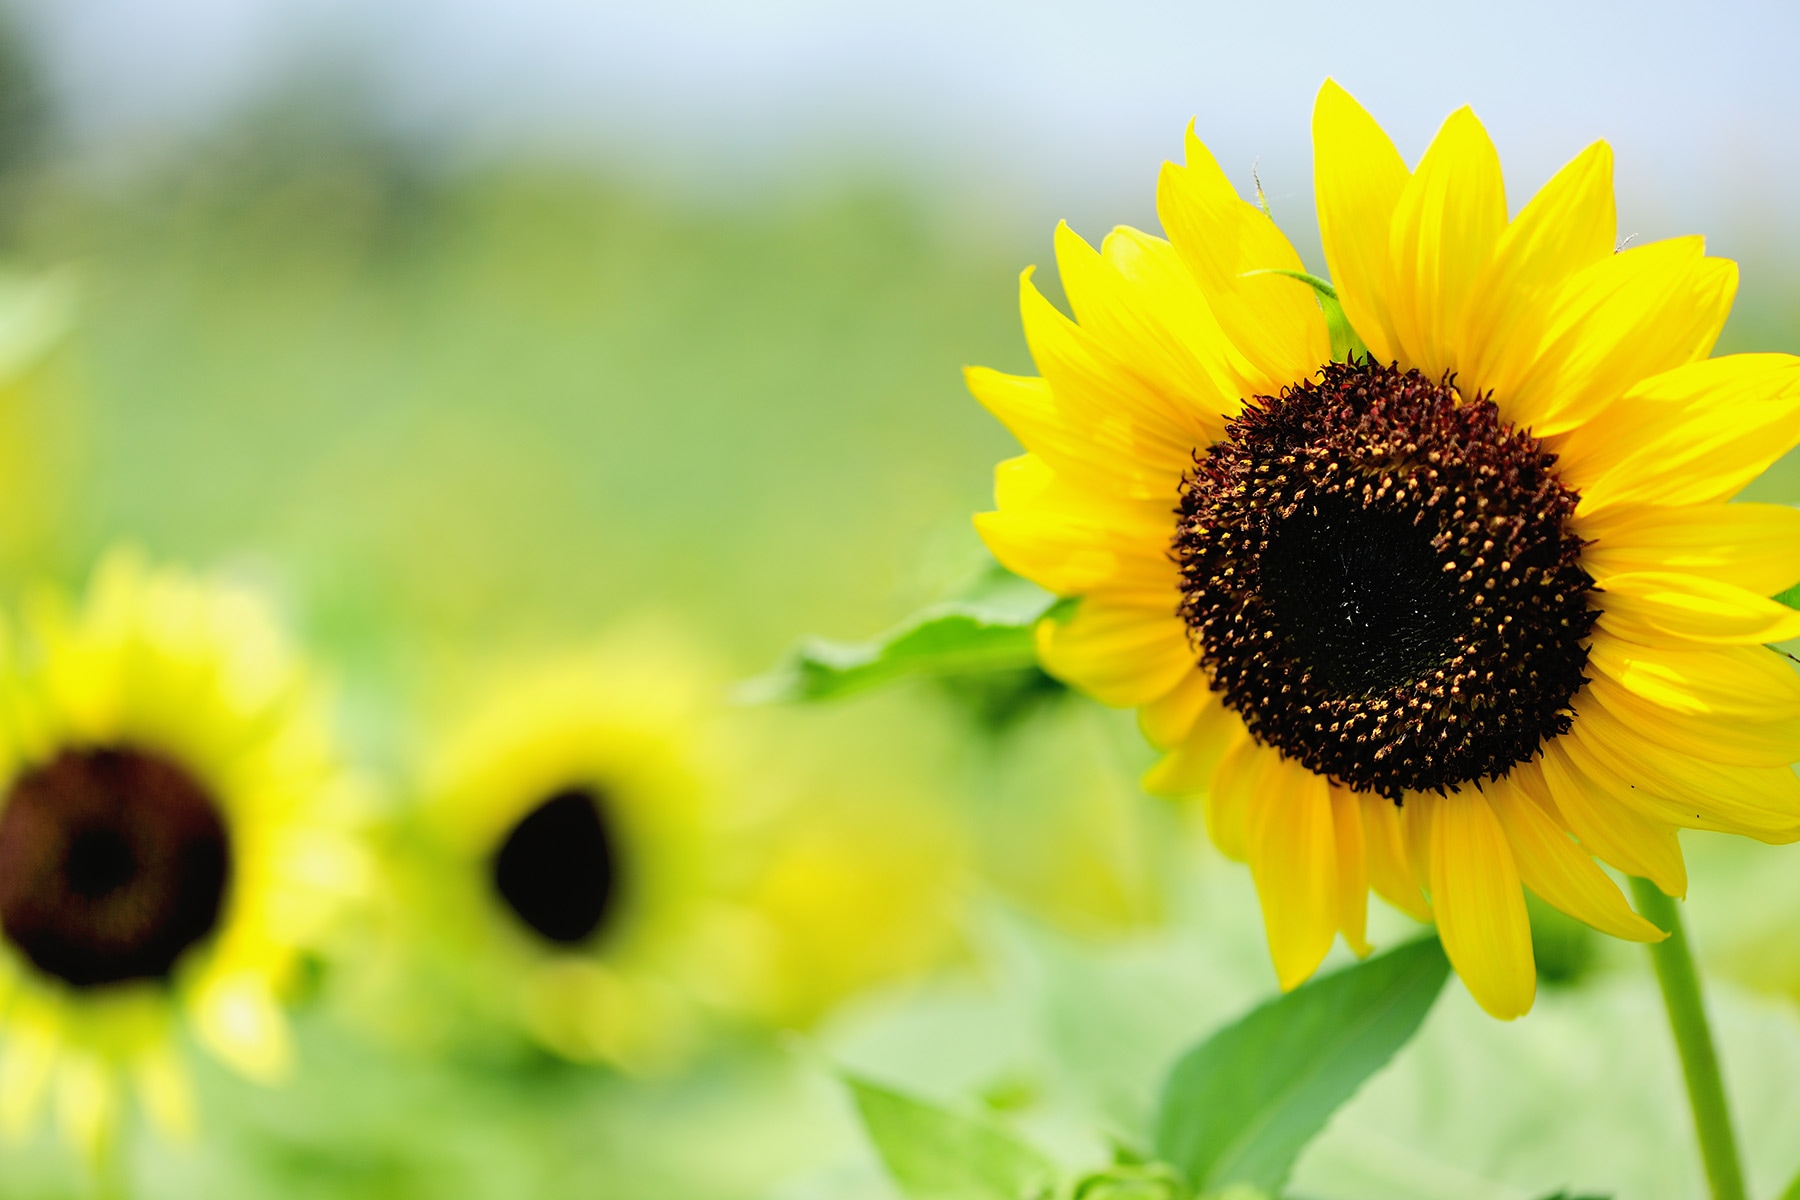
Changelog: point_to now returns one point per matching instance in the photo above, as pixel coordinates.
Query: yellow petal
(1480, 907)
(1107, 399)
(1445, 225)
(1166, 721)
(1073, 541)
(1352, 870)
(1358, 176)
(1553, 866)
(1664, 785)
(1189, 767)
(1124, 650)
(1620, 321)
(1650, 607)
(1293, 858)
(1752, 546)
(1570, 224)
(1130, 328)
(1605, 821)
(1736, 682)
(87, 1104)
(1765, 740)
(163, 1088)
(238, 1019)
(1384, 844)
(1162, 278)
(1273, 320)
(1234, 791)
(1693, 435)
(32, 1045)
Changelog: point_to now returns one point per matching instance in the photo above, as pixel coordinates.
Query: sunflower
(561, 862)
(174, 834)
(1456, 609)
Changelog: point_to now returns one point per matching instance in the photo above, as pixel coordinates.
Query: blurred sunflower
(563, 874)
(1453, 615)
(173, 837)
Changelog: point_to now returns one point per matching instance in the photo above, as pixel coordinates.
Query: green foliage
(1241, 1106)
(936, 1154)
(1791, 597)
(985, 633)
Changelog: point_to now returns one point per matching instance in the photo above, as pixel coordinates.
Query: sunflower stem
(1680, 981)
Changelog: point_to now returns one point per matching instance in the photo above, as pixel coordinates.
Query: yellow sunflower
(173, 836)
(1461, 614)
(562, 866)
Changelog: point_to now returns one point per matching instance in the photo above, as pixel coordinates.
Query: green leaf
(936, 1154)
(986, 631)
(1241, 1106)
(1792, 1191)
(1791, 597)
(1344, 339)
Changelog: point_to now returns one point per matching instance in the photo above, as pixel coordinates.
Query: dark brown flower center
(1380, 578)
(558, 869)
(113, 861)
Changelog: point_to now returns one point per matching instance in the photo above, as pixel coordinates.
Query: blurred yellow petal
(1236, 788)
(1445, 225)
(1480, 908)
(1166, 721)
(1553, 866)
(1188, 768)
(87, 1103)
(238, 1019)
(163, 1088)
(1358, 176)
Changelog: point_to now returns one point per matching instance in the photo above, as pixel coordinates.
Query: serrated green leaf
(986, 631)
(1344, 339)
(1241, 1106)
(936, 1154)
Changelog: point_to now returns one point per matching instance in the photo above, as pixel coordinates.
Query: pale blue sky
(1035, 110)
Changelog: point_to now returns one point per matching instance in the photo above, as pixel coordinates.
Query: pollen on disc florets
(1379, 576)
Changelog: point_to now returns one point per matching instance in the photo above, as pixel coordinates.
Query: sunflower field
(523, 677)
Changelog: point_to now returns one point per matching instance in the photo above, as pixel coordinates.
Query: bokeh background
(474, 331)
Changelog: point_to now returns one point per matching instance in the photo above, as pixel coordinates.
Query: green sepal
(1240, 1107)
(933, 1153)
(1344, 339)
(1791, 597)
(982, 634)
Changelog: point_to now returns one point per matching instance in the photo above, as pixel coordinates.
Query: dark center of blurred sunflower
(1381, 579)
(558, 868)
(113, 862)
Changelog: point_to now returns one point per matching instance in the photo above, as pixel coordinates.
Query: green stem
(1693, 1038)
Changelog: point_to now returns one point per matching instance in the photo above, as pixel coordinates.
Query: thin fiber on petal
(1570, 224)
(1752, 546)
(1273, 320)
(1352, 870)
(1293, 858)
(1480, 908)
(1358, 176)
(1445, 225)
(1553, 866)
(1124, 650)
